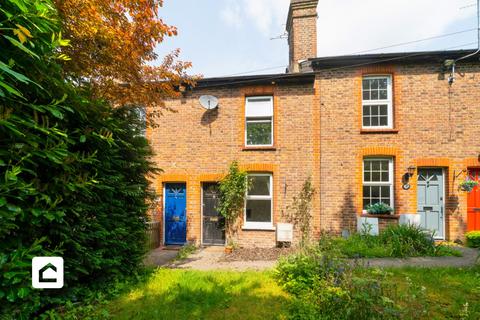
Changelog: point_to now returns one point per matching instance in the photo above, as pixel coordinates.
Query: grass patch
(437, 293)
(450, 293)
(179, 294)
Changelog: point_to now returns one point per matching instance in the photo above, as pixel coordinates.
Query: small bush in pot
(379, 208)
(473, 239)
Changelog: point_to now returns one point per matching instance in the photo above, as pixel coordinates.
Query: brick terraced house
(369, 128)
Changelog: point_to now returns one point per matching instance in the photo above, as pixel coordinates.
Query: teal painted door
(175, 213)
(430, 188)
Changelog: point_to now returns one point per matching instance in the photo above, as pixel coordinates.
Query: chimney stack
(302, 32)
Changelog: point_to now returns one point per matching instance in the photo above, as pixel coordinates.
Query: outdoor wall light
(406, 177)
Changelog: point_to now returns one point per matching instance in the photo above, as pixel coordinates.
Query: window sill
(252, 148)
(379, 131)
(258, 228)
(381, 216)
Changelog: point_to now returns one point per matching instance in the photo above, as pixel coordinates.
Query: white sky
(223, 37)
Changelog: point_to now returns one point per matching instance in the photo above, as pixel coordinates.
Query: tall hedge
(73, 172)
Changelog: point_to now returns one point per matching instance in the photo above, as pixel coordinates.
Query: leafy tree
(73, 170)
(112, 46)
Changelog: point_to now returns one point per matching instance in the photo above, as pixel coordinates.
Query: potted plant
(233, 189)
(379, 208)
(230, 246)
(468, 185)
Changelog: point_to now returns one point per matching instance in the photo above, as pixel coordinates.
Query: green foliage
(185, 251)
(326, 287)
(468, 185)
(233, 188)
(190, 294)
(299, 213)
(73, 171)
(379, 208)
(397, 241)
(473, 239)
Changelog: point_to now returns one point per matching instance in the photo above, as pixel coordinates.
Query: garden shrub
(73, 171)
(473, 239)
(395, 241)
(324, 286)
(407, 240)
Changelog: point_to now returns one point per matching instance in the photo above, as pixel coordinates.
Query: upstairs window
(377, 102)
(259, 121)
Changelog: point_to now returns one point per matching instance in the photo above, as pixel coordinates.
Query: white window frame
(259, 225)
(258, 119)
(388, 101)
(389, 183)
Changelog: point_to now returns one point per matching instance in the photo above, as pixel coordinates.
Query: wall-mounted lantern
(406, 177)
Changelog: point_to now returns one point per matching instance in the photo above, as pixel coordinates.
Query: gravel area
(257, 254)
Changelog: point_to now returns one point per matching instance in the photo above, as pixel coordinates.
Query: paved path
(210, 258)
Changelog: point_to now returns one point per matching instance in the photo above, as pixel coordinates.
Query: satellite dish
(209, 102)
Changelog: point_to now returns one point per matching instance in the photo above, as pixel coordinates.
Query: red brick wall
(318, 132)
(194, 146)
(437, 127)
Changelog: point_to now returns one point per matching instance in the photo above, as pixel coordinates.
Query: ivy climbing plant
(233, 188)
(299, 212)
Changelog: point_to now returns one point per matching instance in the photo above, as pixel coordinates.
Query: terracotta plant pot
(228, 250)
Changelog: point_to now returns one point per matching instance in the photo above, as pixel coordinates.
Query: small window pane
(384, 164)
(366, 122)
(375, 176)
(383, 83)
(259, 133)
(383, 110)
(385, 176)
(259, 186)
(366, 84)
(376, 165)
(374, 84)
(366, 110)
(258, 211)
(375, 122)
(375, 192)
(374, 110)
(366, 192)
(367, 176)
(374, 95)
(383, 121)
(383, 94)
(385, 192)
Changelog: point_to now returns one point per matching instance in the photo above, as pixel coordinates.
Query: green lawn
(184, 294)
(177, 294)
(448, 290)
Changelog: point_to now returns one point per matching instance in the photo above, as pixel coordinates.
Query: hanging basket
(468, 185)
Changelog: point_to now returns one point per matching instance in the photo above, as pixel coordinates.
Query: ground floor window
(377, 181)
(258, 204)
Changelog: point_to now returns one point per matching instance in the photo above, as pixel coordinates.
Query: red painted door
(473, 203)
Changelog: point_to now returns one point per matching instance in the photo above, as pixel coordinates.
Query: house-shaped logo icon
(47, 272)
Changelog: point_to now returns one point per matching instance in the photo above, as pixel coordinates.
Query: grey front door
(430, 200)
(213, 222)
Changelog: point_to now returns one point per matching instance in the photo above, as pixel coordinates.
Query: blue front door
(175, 213)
